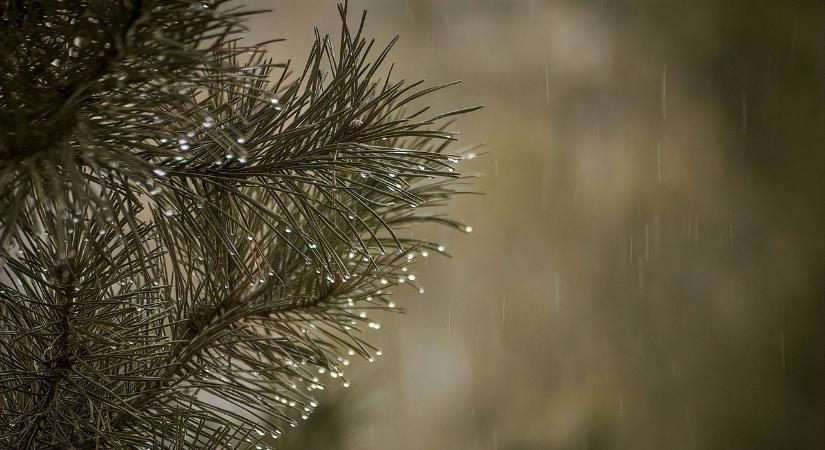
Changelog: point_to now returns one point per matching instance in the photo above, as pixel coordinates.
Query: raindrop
(664, 91)
(546, 84)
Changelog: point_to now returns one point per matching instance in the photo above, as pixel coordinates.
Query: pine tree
(192, 232)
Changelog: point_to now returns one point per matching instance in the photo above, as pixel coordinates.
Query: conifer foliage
(193, 235)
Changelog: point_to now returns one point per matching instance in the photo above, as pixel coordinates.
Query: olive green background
(646, 267)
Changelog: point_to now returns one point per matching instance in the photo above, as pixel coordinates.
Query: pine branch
(192, 232)
(57, 364)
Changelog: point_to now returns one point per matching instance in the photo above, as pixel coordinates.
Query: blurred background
(647, 267)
